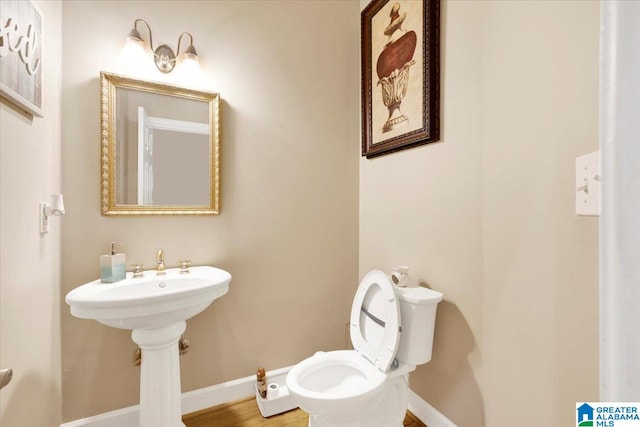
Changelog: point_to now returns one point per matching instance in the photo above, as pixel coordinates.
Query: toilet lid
(375, 320)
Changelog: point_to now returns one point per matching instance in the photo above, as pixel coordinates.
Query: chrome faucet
(160, 270)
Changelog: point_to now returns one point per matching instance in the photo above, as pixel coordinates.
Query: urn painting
(393, 66)
(400, 75)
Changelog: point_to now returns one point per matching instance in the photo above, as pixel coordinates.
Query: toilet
(392, 332)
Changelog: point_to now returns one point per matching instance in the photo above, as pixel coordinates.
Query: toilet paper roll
(273, 390)
(57, 204)
(399, 278)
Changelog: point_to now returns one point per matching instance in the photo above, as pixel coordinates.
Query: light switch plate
(588, 184)
(44, 219)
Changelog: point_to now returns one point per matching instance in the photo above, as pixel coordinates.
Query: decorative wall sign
(401, 93)
(21, 31)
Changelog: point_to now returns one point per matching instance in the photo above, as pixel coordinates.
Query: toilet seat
(375, 320)
(336, 374)
(336, 385)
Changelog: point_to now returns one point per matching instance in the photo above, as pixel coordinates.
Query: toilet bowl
(391, 331)
(340, 385)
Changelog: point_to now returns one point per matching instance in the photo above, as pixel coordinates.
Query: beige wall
(487, 215)
(29, 262)
(288, 77)
(188, 153)
(540, 112)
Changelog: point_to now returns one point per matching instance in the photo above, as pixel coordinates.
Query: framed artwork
(400, 75)
(21, 32)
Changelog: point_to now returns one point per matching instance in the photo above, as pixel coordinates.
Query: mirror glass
(160, 148)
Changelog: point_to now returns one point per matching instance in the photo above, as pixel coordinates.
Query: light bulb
(132, 57)
(190, 71)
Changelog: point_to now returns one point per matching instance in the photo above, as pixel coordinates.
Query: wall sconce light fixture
(55, 209)
(163, 55)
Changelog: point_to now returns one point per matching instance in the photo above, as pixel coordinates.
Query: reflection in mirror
(159, 148)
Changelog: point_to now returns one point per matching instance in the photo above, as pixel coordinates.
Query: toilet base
(315, 421)
(389, 411)
(315, 424)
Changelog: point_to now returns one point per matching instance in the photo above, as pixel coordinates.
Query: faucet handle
(137, 269)
(184, 265)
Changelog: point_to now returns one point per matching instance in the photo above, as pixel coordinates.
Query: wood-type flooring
(245, 413)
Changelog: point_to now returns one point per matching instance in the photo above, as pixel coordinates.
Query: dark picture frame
(400, 75)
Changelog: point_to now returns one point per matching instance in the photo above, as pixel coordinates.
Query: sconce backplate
(165, 58)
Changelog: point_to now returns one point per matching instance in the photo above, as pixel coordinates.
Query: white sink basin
(151, 301)
(155, 308)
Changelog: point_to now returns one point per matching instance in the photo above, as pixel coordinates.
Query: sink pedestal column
(160, 393)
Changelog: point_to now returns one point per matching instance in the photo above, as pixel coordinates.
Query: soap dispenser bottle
(112, 266)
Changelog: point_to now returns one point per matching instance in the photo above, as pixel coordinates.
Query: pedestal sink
(155, 309)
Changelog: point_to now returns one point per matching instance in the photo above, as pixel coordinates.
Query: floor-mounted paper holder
(278, 399)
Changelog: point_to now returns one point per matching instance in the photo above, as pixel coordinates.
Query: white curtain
(620, 219)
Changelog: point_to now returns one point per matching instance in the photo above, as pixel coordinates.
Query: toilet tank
(417, 319)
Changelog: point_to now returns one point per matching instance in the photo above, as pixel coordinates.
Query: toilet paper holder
(400, 275)
(278, 399)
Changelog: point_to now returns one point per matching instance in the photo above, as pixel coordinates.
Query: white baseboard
(192, 401)
(427, 413)
(126, 417)
(207, 397)
(218, 394)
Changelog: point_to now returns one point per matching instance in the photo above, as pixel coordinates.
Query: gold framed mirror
(159, 148)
